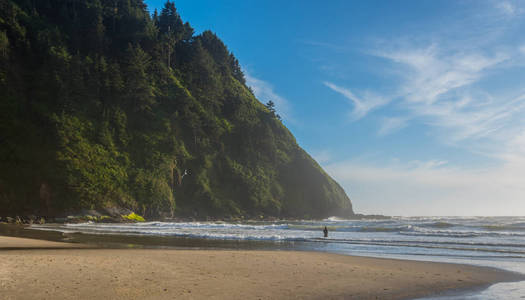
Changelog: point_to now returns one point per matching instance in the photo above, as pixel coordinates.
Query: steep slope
(103, 105)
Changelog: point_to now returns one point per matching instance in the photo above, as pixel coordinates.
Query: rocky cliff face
(103, 105)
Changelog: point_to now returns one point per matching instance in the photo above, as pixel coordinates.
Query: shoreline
(54, 270)
(103, 217)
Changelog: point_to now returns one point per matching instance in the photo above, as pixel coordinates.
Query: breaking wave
(438, 236)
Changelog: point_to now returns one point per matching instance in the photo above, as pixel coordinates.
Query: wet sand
(16, 243)
(51, 270)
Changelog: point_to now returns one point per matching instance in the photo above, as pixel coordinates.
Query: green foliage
(103, 105)
(138, 86)
(94, 173)
(4, 44)
(154, 194)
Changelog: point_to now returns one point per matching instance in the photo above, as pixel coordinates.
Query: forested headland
(103, 104)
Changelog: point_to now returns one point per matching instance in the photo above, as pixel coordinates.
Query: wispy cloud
(363, 104)
(435, 89)
(389, 125)
(322, 156)
(506, 7)
(510, 8)
(432, 72)
(444, 80)
(264, 91)
(438, 89)
(522, 49)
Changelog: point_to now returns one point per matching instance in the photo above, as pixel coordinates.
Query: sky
(416, 108)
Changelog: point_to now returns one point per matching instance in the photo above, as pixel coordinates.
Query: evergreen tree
(139, 90)
(271, 107)
(171, 23)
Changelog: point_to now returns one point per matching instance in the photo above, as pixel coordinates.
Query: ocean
(485, 241)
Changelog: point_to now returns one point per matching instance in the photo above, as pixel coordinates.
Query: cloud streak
(390, 125)
(440, 90)
(362, 105)
(510, 8)
(433, 73)
(522, 49)
(322, 156)
(506, 7)
(444, 82)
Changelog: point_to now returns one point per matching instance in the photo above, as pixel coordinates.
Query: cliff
(104, 105)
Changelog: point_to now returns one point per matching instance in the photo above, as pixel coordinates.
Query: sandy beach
(52, 270)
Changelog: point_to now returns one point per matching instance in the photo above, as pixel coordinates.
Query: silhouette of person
(325, 231)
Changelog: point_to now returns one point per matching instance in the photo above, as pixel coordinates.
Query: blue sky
(414, 107)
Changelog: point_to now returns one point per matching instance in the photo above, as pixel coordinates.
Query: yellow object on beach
(134, 217)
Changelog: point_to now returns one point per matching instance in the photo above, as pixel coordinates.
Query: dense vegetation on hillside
(102, 104)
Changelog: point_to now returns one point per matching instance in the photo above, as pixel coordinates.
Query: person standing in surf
(325, 231)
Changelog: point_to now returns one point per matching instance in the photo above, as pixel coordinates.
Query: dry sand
(39, 272)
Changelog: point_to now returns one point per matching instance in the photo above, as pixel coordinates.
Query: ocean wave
(267, 236)
(316, 227)
(494, 236)
(220, 235)
(164, 225)
(440, 225)
(401, 228)
(501, 227)
(335, 219)
(422, 231)
(438, 244)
